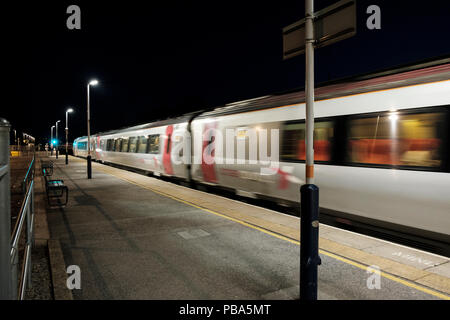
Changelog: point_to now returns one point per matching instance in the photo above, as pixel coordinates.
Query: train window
(293, 144)
(142, 145)
(153, 141)
(396, 139)
(132, 144)
(124, 147)
(117, 144)
(81, 145)
(102, 144)
(109, 144)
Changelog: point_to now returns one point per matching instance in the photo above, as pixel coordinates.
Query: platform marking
(279, 236)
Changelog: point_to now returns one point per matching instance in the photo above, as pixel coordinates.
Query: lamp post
(51, 140)
(57, 138)
(89, 165)
(67, 133)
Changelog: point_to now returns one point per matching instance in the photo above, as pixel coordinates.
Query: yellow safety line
(329, 254)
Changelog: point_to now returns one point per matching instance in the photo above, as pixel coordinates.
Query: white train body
(409, 192)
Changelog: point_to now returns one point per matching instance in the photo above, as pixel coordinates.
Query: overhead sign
(332, 24)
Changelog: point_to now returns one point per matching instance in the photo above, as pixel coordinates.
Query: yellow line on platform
(279, 236)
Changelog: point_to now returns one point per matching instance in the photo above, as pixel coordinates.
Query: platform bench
(47, 168)
(55, 188)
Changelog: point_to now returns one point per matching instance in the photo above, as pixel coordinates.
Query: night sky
(156, 60)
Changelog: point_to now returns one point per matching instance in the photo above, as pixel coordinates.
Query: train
(381, 149)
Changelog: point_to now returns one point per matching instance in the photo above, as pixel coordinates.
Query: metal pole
(89, 165)
(29, 237)
(57, 144)
(51, 141)
(67, 133)
(5, 213)
(309, 231)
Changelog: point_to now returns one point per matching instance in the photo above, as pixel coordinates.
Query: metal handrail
(20, 219)
(26, 211)
(30, 169)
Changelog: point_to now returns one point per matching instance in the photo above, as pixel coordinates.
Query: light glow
(93, 82)
(393, 117)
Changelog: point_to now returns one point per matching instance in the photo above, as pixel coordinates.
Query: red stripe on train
(167, 163)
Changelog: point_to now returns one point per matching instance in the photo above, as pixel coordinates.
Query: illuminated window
(124, 145)
(293, 144)
(132, 144)
(142, 145)
(153, 141)
(396, 139)
(117, 144)
(109, 144)
(81, 145)
(102, 144)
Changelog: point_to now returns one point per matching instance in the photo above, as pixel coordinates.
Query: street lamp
(51, 140)
(57, 145)
(89, 165)
(67, 132)
(15, 138)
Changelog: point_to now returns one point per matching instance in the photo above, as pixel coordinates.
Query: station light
(93, 82)
(393, 116)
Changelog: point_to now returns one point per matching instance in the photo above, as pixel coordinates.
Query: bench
(55, 188)
(47, 167)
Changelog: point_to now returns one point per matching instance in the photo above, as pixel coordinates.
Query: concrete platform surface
(137, 237)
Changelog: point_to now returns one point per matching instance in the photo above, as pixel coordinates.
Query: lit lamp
(89, 165)
(67, 133)
(57, 138)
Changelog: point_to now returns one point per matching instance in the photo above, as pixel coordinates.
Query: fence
(10, 285)
(22, 150)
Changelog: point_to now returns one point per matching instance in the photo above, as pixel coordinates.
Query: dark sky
(160, 59)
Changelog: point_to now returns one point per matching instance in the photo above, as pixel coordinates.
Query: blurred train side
(406, 190)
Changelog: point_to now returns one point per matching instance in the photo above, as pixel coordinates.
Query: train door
(97, 149)
(208, 152)
(180, 151)
(167, 163)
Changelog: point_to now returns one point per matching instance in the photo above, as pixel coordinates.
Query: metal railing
(26, 214)
(10, 286)
(29, 175)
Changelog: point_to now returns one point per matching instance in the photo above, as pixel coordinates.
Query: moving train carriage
(381, 150)
(80, 147)
(148, 147)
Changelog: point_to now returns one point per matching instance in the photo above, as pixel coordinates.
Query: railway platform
(138, 237)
